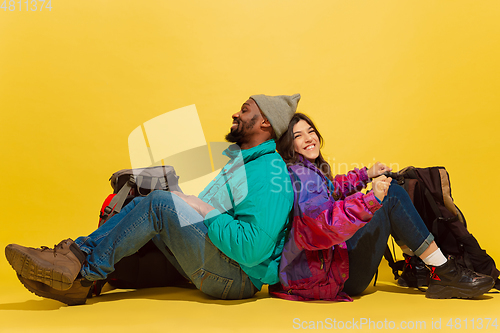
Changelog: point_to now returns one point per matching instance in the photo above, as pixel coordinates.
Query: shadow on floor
(394, 288)
(187, 294)
(191, 294)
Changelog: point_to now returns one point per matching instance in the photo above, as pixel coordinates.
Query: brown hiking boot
(57, 268)
(76, 295)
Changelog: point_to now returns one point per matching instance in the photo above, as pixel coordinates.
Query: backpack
(130, 183)
(148, 267)
(430, 191)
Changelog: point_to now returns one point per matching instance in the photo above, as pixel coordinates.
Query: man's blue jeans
(179, 232)
(366, 247)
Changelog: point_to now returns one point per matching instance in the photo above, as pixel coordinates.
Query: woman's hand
(377, 169)
(196, 203)
(381, 186)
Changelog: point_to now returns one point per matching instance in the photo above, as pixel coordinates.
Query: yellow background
(403, 82)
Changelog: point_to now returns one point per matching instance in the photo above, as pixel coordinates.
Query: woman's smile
(305, 141)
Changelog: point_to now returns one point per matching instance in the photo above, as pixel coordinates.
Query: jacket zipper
(321, 260)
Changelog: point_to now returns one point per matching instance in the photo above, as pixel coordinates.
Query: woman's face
(306, 141)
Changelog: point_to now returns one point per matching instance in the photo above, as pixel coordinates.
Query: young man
(228, 241)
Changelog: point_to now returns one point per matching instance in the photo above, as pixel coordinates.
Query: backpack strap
(396, 266)
(154, 181)
(116, 204)
(435, 209)
(152, 186)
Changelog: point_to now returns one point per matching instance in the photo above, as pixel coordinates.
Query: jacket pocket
(211, 283)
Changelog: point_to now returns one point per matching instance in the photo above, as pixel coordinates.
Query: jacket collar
(305, 162)
(233, 151)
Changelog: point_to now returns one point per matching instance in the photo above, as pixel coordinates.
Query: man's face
(245, 122)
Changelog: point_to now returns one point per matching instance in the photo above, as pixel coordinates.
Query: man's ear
(265, 122)
(265, 126)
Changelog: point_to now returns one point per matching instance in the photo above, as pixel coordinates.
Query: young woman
(339, 234)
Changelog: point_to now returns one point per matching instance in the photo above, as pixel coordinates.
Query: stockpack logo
(176, 139)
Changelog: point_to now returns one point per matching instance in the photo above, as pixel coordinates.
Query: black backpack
(148, 267)
(430, 192)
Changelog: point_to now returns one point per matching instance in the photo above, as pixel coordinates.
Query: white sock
(406, 250)
(436, 258)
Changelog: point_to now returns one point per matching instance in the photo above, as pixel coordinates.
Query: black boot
(452, 280)
(415, 273)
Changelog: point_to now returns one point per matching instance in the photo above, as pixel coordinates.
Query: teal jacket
(252, 198)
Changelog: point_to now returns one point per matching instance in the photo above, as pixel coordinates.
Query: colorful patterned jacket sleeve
(319, 221)
(354, 181)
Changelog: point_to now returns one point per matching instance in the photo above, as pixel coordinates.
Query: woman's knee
(397, 191)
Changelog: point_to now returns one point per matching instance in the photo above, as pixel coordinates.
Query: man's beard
(237, 135)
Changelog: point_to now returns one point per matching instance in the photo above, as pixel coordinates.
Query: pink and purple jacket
(314, 263)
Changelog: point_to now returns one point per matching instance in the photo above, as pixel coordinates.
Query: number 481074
(29, 5)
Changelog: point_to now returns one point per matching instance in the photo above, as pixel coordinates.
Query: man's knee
(160, 196)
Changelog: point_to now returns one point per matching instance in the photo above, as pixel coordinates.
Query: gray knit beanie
(278, 110)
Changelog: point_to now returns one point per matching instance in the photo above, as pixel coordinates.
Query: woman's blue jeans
(178, 231)
(366, 247)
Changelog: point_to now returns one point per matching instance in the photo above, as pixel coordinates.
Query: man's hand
(381, 186)
(377, 169)
(196, 203)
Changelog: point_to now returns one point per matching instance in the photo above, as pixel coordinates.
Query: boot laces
(54, 249)
(465, 271)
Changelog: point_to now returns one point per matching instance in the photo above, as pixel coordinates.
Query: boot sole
(53, 295)
(444, 292)
(34, 269)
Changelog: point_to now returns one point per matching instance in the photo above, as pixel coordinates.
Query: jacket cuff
(371, 202)
(211, 217)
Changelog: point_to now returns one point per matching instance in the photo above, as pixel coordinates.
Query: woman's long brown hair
(285, 145)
